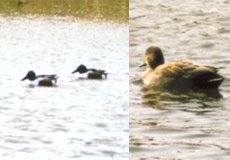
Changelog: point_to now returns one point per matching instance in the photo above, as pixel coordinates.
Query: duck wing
(50, 76)
(172, 70)
(203, 77)
(99, 71)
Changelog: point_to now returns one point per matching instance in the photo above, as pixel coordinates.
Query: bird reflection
(162, 99)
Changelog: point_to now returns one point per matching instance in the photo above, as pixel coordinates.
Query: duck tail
(55, 79)
(216, 82)
(106, 74)
(208, 80)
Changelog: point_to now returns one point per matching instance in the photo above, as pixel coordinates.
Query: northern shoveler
(93, 73)
(43, 80)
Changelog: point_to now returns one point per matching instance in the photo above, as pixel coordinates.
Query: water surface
(193, 125)
(77, 119)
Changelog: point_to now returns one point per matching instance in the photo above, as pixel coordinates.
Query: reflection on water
(163, 99)
(115, 10)
(180, 125)
(159, 98)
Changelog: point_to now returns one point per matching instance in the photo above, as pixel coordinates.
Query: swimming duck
(46, 80)
(93, 73)
(179, 74)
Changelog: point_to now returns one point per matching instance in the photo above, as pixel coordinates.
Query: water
(166, 125)
(77, 119)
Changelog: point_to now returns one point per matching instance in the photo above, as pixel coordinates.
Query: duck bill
(143, 65)
(24, 78)
(75, 71)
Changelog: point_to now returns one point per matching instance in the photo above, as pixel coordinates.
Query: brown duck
(179, 74)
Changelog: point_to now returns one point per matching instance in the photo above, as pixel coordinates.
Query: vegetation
(115, 10)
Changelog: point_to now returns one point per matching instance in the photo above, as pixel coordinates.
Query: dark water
(170, 125)
(77, 119)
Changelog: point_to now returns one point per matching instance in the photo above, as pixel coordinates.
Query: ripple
(51, 122)
(180, 125)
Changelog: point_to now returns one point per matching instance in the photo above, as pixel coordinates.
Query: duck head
(153, 57)
(30, 75)
(81, 69)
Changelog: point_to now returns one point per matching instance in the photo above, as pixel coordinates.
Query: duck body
(43, 80)
(92, 73)
(179, 74)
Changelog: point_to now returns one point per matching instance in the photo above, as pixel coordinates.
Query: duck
(93, 73)
(178, 74)
(44, 80)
